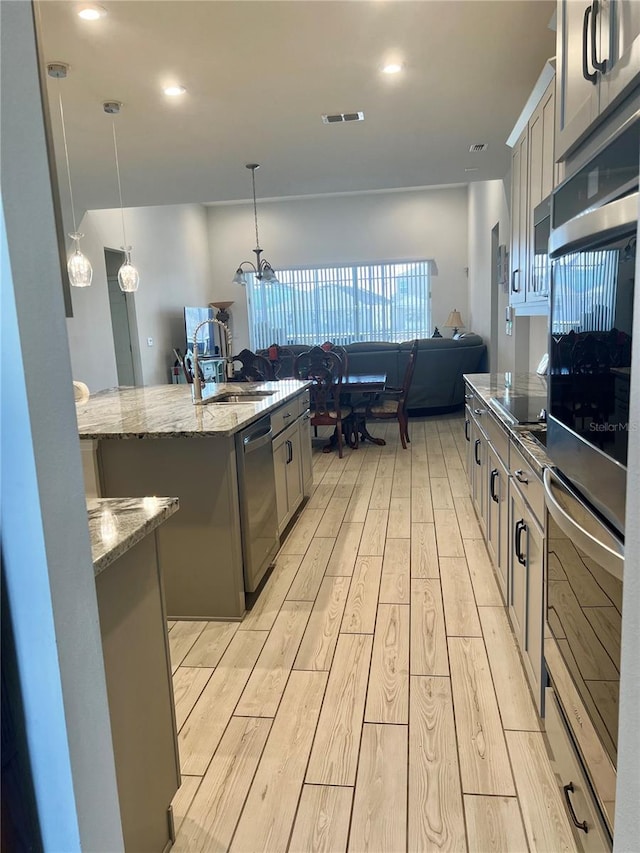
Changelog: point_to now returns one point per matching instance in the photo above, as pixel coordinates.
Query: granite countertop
(116, 524)
(488, 385)
(167, 411)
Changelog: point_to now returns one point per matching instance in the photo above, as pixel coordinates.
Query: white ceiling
(259, 75)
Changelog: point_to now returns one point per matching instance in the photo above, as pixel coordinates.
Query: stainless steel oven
(592, 245)
(585, 567)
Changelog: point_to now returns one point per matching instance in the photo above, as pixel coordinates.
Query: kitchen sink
(242, 398)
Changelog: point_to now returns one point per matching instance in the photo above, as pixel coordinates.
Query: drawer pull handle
(288, 415)
(568, 789)
(492, 482)
(521, 477)
(466, 430)
(479, 411)
(475, 452)
(521, 528)
(468, 396)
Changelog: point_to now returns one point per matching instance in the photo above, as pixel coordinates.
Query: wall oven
(592, 247)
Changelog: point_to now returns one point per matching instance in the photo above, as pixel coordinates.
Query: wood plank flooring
(373, 698)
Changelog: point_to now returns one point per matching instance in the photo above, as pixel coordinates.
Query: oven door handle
(596, 227)
(612, 561)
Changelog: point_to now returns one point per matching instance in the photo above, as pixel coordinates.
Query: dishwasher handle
(610, 559)
(257, 439)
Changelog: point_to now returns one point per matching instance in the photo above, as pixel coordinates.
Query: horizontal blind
(585, 288)
(342, 304)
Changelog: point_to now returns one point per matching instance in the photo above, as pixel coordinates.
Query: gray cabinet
(291, 457)
(526, 586)
(498, 516)
(532, 179)
(598, 64)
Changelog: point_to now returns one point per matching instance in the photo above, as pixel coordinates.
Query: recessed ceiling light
(91, 12)
(392, 68)
(174, 91)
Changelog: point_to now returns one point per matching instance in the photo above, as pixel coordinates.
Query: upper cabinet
(598, 63)
(532, 179)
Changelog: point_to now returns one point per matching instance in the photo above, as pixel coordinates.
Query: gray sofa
(437, 381)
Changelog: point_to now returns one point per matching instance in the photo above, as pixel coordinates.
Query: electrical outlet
(149, 342)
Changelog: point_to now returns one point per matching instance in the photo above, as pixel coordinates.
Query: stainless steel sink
(242, 398)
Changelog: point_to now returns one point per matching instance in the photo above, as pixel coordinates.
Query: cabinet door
(519, 175)
(305, 453)
(532, 650)
(280, 456)
(497, 516)
(467, 434)
(293, 467)
(620, 46)
(479, 481)
(577, 98)
(541, 167)
(518, 534)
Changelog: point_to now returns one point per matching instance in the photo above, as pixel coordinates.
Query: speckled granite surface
(167, 411)
(116, 524)
(488, 385)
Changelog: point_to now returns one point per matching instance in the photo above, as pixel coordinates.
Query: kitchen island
(135, 649)
(153, 441)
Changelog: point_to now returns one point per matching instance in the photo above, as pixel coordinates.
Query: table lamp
(454, 321)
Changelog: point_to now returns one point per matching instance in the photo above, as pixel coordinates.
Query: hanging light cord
(66, 155)
(255, 209)
(115, 148)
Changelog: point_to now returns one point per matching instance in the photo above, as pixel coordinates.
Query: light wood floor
(374, 698)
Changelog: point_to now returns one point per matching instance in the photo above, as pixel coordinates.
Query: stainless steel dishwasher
(258, 513)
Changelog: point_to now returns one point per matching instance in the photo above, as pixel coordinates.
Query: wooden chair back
(329, 346)
(408, 375)
(324, 369)
(255, 368)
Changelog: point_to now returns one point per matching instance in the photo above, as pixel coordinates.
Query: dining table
(361, 383)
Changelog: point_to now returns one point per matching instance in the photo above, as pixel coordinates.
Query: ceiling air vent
(338, 118)
(478, 146)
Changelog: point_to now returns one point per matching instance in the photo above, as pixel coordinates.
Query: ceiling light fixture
(262, 268)
(392, 68)
(174, 91)
(128, 276)
(78, 265)
(91, 12)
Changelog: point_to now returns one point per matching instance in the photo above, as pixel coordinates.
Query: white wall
(170, 250)
(538, 340)
(346, 229)
(488, 207)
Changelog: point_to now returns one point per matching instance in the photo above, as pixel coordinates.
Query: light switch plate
(149, 342)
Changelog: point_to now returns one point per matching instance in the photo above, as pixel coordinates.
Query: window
(343, 304)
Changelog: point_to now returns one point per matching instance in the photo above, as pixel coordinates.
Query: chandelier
(262, 268)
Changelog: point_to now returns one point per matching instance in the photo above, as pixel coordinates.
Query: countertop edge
(117, 524)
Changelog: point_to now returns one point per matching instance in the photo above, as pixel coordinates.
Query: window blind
(343, 304)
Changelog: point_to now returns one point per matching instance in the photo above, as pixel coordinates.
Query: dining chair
(392, 402)
(255, 368)
(329, 346)
(187, 367)
(324, 369)
(282, 360)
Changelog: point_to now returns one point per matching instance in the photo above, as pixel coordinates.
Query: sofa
(441, 362)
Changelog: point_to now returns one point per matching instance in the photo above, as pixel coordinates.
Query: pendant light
(128, 276)
(262, 268)
(78, 265)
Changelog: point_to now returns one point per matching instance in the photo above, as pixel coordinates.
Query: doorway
(495, 299)
(123, 323)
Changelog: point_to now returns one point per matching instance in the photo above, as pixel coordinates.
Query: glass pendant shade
(78, 266)
(239, 278)
(128, 276)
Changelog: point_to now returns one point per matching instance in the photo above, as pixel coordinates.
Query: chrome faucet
(197, 382)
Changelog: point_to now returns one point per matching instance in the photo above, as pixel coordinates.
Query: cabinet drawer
(529, 483)
(568, 770)
(498, 438)
(303, 402)
(284, 415)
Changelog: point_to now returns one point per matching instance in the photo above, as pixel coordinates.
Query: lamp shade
(221, 306)
(454, 320)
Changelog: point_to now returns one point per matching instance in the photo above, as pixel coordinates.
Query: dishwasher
(258, 512)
